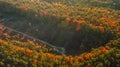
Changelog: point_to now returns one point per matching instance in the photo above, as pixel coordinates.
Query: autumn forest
(59, 33)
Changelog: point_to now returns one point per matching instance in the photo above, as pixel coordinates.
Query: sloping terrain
(17, 53)
(89, 30)
(80, 25)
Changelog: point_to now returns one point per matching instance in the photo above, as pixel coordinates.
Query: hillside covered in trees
(87, 30)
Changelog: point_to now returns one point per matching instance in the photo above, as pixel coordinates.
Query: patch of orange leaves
(103, 50)
(3, 42)
(67, 19)
(20, 49)
(35, 61)
(80, 58)
(88, 55)
(69, 59)
(107, 47)
(28, 51)
(58, 57)
(101, 28)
